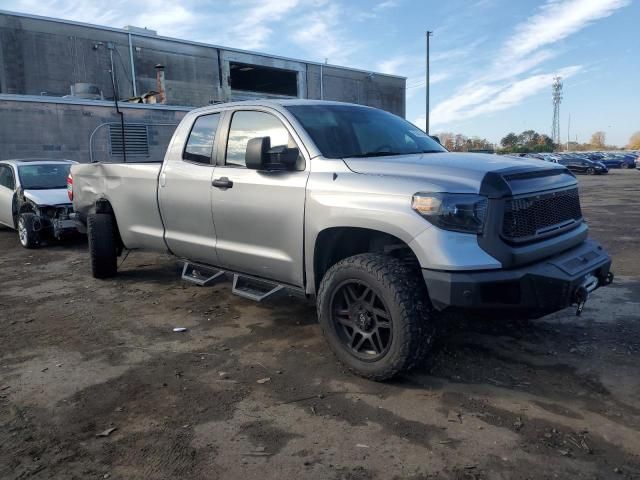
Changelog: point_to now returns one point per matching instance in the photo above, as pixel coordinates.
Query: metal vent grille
(540, 215)
(136, 137)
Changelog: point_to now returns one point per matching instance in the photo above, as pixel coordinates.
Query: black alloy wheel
(361, 320)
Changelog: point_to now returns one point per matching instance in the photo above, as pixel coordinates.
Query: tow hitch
(588, 285)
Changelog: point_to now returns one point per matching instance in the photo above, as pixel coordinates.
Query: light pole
(429, 34)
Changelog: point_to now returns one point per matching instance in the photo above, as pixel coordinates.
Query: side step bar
(200, 275)
(253, 288)
(245, 286)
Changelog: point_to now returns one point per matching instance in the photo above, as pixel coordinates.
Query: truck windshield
(343, 131)
(44, 177)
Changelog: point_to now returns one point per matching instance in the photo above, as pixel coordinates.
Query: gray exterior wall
(46, 56)
(60, 128)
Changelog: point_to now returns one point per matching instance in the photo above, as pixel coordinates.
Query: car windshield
(342, 131)
(44, 176)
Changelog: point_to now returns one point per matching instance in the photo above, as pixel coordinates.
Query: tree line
(529, 141)
(456, 142)
(532, 141)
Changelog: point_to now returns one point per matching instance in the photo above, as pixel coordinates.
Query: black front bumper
(534, 290)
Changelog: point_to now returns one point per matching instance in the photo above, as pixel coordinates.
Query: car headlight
(459, 212)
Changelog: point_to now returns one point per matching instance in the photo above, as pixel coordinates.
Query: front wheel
(624, 165)
(590, 171)
(28, 230)
(375, 315)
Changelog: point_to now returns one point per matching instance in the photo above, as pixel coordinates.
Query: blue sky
(492, 60)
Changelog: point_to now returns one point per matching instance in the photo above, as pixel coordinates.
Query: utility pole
(568, 131)
(429, 34)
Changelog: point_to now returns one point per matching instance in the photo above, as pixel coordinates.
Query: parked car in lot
(605, 159)
(355, 207)
(582, 165)
(34, 200)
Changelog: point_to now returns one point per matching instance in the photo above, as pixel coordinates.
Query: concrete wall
(57, 128)
(47, 56)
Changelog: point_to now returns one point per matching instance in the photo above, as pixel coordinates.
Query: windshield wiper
(374, 154)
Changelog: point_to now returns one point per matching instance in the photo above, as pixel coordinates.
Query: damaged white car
(34, 199)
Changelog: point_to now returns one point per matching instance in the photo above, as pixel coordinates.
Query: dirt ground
(95, 384)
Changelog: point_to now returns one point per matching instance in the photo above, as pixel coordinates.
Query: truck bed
(132, 191)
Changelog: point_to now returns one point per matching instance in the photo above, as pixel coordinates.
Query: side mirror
(257, 154)
(260, 156)
(436, 138)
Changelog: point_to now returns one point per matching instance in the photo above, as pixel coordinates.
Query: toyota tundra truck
(356, 209)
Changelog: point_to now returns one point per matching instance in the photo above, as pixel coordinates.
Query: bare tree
(634, 141)
(598, 139)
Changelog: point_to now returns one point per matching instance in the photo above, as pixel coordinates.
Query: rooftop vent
(145, 30)
(137, 139)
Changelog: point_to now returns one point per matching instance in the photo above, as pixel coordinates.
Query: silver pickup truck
(356, 208)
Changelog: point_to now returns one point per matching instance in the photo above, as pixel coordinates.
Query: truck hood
(452, 172)
(56, 196)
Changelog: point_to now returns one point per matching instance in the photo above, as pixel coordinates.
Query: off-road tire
(403, 291)
(28, 236)
(102, 245)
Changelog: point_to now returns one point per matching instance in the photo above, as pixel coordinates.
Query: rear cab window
(199, 146)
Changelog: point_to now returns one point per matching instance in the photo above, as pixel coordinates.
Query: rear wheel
(590, 171)
(624, 165)
(375, 315)
(102, 245)
(28, 230)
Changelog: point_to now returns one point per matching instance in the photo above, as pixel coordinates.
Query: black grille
(540, 215)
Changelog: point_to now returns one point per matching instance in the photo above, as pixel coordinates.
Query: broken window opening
(256, 78)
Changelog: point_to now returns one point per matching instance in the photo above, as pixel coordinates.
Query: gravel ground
(95, 384)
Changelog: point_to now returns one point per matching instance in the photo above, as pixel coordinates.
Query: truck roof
(274, 103)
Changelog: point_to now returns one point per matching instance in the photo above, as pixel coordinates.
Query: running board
(200, 275)
(253, 288)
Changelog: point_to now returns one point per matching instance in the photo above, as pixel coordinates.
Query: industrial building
(55, 75)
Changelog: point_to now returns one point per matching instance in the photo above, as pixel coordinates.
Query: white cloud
(521, 90)
(501, 86)
(557, 20)
(387, 4)
(323, 37)
(252, 28)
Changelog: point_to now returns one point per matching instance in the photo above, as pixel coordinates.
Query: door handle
(222, 182)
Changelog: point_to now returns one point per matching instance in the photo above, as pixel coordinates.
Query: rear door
(7, 192)
(185, 194)
(259, 216)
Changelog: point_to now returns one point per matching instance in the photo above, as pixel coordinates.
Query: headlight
(459, 212)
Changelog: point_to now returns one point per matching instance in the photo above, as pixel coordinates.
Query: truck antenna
(110, 46)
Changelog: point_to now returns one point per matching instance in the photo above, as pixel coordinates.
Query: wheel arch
(337, 243)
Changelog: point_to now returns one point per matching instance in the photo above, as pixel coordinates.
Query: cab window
(199, 148)
(246, 125)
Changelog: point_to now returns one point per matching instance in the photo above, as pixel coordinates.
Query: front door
(7, 192)
(185, 194)
(259, 216)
